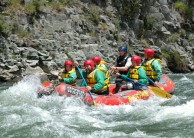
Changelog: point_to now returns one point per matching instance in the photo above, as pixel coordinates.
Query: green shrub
(93, 14)
(92, 33)
(109, 13)
(174, 60)
(12, 2)
(182, 33)
(69, 2)
(185, 10)
(14, 27)
(33, 8)
(4, 27)
(115, 34)
(103, 26)
(117, 23)
(173, 38)
(58, 5)
(149, 22)
(22, 33)
(12, 7)
(178, 60)
(144, 42)
(130, 49)
(129, 8)
(192, 42)
(181, 6)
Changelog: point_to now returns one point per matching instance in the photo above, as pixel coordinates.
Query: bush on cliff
(4, 27)
(127, 9)
(185, 8)
(174, 61)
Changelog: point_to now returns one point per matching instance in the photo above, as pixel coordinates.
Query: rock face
(47, 35)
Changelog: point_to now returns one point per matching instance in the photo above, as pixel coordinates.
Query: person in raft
(136, 73)
(68, 75)
(95, 78)
(100, 64)
(152, 65)
(123, 62)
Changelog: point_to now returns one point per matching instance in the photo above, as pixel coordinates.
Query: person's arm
(77, 69)
(70, 78)
(128, 63)
(100, 77)
(157, 67)
(142, 75)
(121, 68)
(123, 76)
(125, 68)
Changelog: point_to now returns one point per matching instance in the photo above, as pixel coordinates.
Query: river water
(23, 115)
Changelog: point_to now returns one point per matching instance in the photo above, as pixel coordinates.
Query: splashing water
(22, 114)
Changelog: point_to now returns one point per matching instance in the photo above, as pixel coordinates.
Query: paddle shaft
(84, 82)
(132, 80)
(157, 91)
(152, 82)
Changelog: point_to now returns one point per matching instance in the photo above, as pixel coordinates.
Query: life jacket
(66, 75)
(103, 69)
(121, 61)
(103, 62)
(90, 78)
(150, 72)
(134, 72)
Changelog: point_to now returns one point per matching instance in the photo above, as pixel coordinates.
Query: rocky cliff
(36, 36)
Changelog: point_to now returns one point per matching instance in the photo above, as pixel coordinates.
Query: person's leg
(118, 82)
(118, 86)
(136, 86)
(104, 92)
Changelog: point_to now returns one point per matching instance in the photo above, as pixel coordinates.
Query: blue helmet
(122, 48)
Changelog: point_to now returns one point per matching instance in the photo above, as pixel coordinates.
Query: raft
(122, 97)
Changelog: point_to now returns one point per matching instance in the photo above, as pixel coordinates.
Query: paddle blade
(160, 92)
(95, 104)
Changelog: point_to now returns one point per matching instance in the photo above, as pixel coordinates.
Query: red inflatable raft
(122, 97)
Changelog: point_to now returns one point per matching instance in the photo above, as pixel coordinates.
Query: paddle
(51, 79)
(123, 76)
(157, 91)
(94, 103)
(46, 88)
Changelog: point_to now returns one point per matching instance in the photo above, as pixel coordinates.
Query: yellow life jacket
(103, 62)
(90, 78)
(150, 72)
(134, 72)
(66, 75)
(100, 66)
(105, 70)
